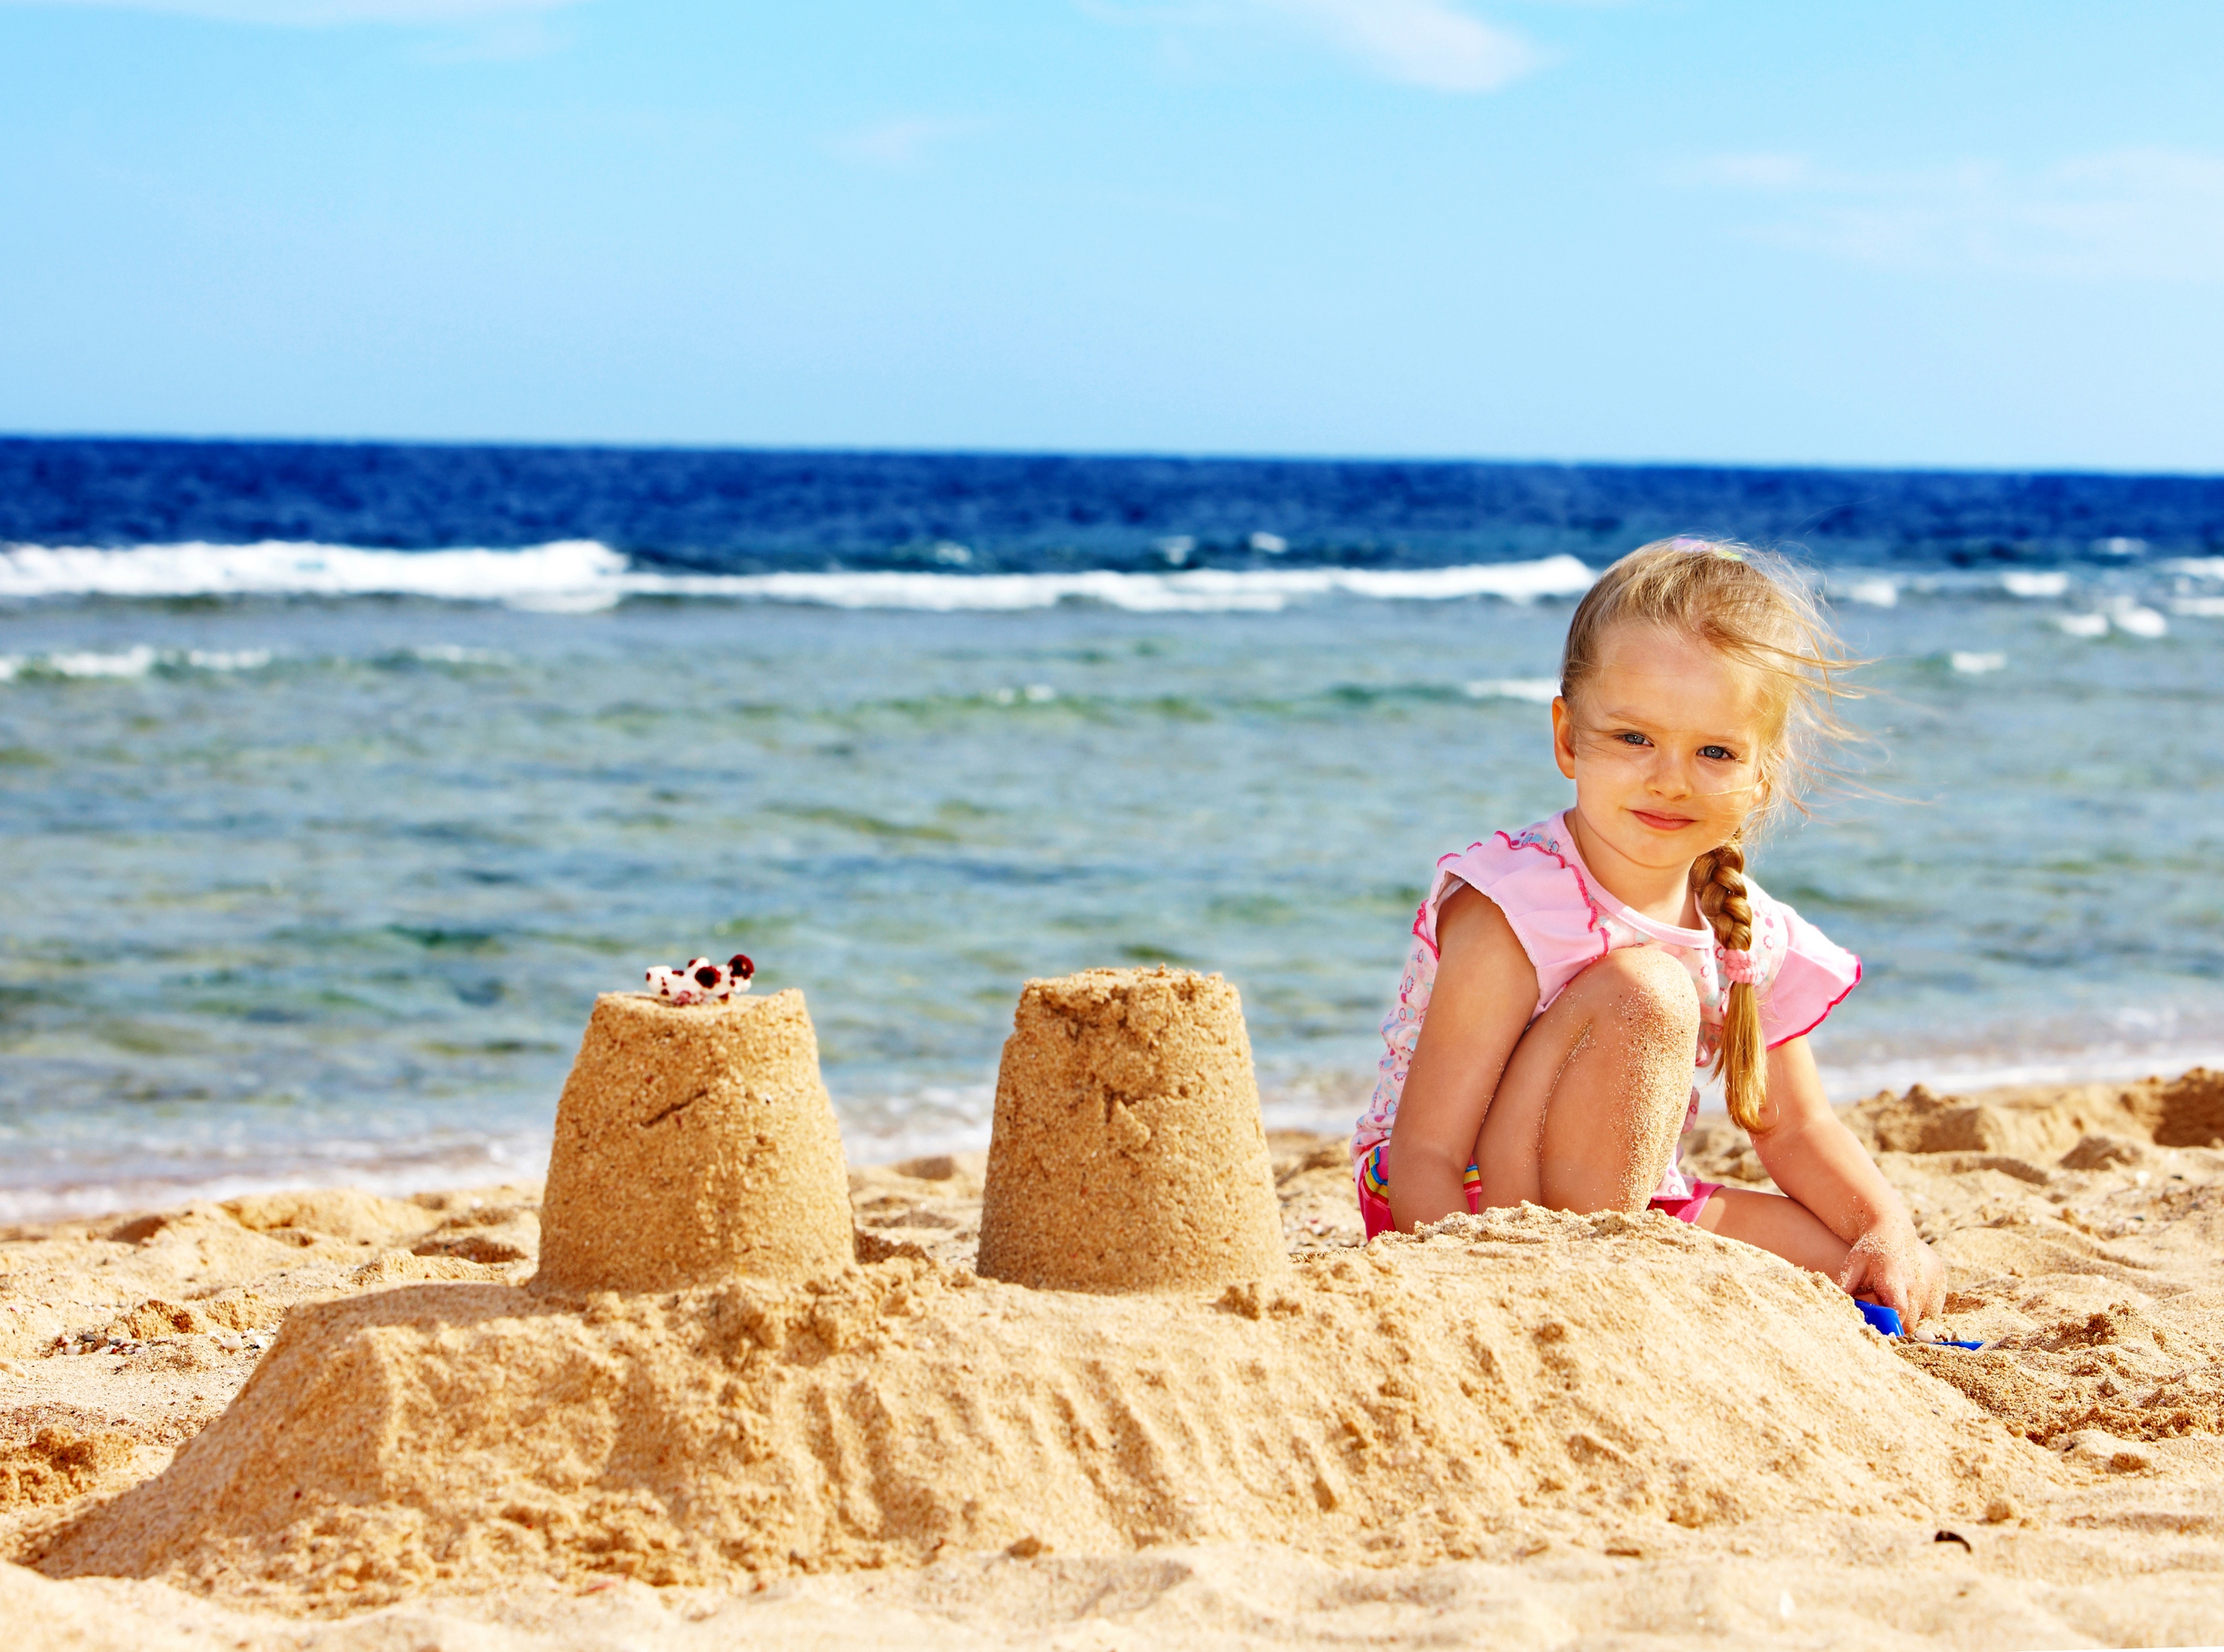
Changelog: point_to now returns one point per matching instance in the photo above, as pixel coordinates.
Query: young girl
(1564, 978)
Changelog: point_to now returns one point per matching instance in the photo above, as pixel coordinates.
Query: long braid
(1718, 887)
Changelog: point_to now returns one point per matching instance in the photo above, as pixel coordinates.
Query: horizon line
(1127, 454)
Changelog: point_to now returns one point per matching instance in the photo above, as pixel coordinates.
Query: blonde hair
(1756, 608)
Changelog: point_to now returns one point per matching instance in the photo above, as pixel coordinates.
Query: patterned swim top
(1565, 920)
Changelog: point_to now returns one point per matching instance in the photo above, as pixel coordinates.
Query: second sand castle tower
(694, 1144)
(1128, 1152)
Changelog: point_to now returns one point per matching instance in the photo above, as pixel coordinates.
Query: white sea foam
(1550, 576)
(1976, 665)
(2199, 607)
(1203, 591)
(1538, 691)
(276, 568)
(2134, 619)
(591, 599)
(2198, 567)
(136, 662)
(1873, 593)
(451, 653)
(1194, 590)
(2037, 586)
(128, 662)
(2119, 614)
(580, 575)
(227, 659)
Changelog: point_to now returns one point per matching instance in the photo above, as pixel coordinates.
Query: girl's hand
(1815, 1159)
(1891, 1264)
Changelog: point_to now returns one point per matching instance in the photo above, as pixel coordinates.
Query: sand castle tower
(693, 1144)
(1127, 1154)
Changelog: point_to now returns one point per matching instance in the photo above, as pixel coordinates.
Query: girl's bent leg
(1587, 1110)
(1783, 1226)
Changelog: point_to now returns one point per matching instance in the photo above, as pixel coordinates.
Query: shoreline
(1311, 1103)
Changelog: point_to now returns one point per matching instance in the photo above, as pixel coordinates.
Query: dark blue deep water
(737, 511)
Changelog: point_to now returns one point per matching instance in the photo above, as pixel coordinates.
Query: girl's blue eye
(1634, 738)
(1720, 754)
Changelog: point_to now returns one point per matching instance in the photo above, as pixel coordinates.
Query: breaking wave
(582, 575)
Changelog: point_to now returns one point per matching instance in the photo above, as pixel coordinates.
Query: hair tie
(1737, 967)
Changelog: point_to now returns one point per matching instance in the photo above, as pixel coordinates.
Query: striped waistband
(1376, 1181)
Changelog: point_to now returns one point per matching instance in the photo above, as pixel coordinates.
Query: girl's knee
(1651, 989)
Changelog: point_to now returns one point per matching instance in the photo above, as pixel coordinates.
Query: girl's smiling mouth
(1663, 822)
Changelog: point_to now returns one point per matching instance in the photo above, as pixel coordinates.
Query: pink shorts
(1374, 1209)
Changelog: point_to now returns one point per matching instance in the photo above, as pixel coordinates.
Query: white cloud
(2156, 214)
(1419, 42)
(902, 142)
(317, 14)
(1432, 43)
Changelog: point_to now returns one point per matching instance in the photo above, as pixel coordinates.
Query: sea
(337, 780)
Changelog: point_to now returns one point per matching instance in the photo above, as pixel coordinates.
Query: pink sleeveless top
(1564, 921)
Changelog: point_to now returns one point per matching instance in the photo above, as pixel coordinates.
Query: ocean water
(334, 782)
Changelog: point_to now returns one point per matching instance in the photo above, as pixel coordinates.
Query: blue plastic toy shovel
(1884, 1322)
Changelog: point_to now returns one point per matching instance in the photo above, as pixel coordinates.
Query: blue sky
(1971, 234)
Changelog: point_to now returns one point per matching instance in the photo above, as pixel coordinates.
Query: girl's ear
(1563, 737)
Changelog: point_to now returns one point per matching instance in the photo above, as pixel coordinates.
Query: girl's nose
(1669, 778)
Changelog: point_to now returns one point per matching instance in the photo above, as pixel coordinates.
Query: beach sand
(1528, 1429)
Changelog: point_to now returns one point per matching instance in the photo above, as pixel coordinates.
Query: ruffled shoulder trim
(1811, 979)
(1543, 895)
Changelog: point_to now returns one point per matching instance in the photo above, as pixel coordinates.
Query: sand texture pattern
(1432, 1399)
(1127, 1152)
(1528, 1431)
(693, 1145)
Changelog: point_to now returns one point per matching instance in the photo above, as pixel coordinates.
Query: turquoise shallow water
(316, 891)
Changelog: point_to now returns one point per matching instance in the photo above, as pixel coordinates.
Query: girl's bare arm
(1816, 1160)
(1486, 992)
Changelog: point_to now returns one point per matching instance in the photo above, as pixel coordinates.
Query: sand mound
(1127, 1153)
(2187, 1111)
(57, 1465)
(401, 1268)
(344, 1214)
(2098, 1123)
(153, 1318)
(1451, 1397)
(2082, 1228)
(2047, 1411)
(693, 1145)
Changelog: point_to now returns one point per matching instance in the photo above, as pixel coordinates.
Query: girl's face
(1667, 745)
